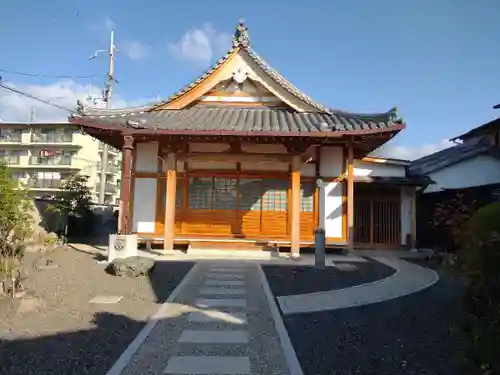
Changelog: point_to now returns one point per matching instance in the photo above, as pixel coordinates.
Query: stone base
(122, 246)
(133, 266)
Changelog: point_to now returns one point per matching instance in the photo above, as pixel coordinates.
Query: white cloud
(135, 49)
(17, 108)
(200, 45)
(391, 150)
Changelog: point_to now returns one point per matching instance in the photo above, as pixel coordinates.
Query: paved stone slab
(194, 365)
(223, 302)
(102, 299)
(223, 291)
(227, 269)
(226, 276)
(214, 337)
(225, 282)
(210, 316)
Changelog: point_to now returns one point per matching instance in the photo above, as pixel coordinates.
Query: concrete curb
(409, 278)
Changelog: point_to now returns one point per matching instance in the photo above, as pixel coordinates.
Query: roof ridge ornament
(241, 37)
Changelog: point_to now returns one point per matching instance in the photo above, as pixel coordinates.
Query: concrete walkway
(222, 319)
(409, 278)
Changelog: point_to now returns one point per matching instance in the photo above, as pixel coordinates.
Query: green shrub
(480, 261)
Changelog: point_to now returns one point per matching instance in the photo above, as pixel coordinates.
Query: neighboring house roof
(410, 180)
(453, 155)
(320, 119)
(480, 130)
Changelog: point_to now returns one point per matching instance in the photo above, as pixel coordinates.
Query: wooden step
(229, 246)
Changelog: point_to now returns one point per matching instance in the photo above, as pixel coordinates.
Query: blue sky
(438, 61)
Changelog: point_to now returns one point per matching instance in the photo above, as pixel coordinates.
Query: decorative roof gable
(243, 62)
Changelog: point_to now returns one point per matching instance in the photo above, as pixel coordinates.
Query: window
(52, 135)
(307, 196)
(11, 135)
(18, 175)
(200, 193)
(207, 193)
(274, 197)
(250, 193)
(225, 191)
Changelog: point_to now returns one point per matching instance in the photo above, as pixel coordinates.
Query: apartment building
(43, 155)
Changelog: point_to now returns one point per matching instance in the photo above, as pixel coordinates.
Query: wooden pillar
(295, 206)
(168, 241)
(350, 197)
(128, 147)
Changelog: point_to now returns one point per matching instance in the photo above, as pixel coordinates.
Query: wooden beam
(350, 197)
(239, 158)
(128, 146)
(295, 206)
(168, 242)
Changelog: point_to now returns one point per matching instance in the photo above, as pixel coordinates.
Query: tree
(15, 221)
(74, 200)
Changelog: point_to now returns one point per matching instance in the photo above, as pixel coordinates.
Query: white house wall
(478, 171)
(331, 161)
(144, 205)
(364, 168)
(331, 216)
(331, 165)
(147, 157)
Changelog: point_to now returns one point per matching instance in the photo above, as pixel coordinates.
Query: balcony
(10, 159)
(49, 160)
(111, 169)
(10, 137)
(45, 184)
(111, 149)
(52, 138)
(108, 188)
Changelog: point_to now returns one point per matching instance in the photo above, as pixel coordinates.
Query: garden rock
(131, 266)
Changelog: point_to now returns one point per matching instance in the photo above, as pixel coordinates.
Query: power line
(46, 76)
(22, 93)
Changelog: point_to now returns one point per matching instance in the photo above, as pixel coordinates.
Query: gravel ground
(413, 335)
(288, 280)
(71, 336)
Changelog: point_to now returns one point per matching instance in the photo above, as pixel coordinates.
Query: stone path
(409, 278)
(222, 320)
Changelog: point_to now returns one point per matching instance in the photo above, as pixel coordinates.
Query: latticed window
(274, 197)
(200, 193)
(206, 193)
(307, 196)
(225, 191)
(250, 193)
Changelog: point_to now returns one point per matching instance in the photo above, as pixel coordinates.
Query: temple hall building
(241, 155)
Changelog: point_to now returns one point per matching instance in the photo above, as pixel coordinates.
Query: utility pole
(106, 96)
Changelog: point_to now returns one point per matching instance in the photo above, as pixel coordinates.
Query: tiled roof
(452, 155)
(242, 40)
(480, 130)
(203, 118)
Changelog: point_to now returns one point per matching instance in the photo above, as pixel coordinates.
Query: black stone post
(319, 251)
